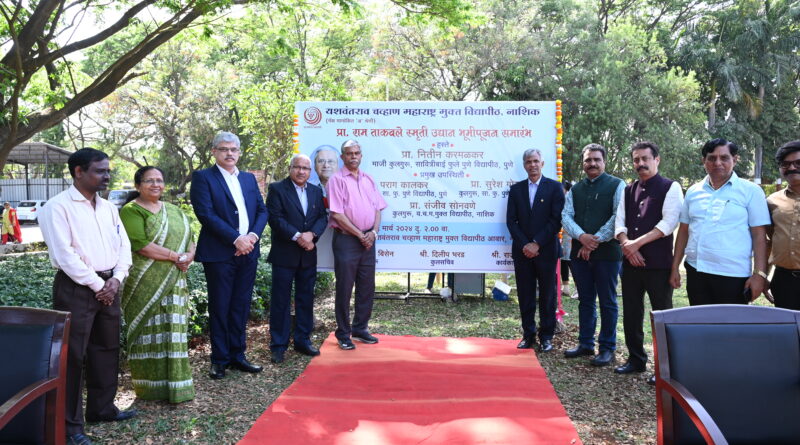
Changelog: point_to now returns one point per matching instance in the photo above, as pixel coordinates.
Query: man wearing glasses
(326, 162)
(297, 217)
(230, 209)
(784, 234)
(355, 209)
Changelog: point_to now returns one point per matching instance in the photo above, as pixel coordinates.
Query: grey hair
(530, 152)
(594, 147)
(349, 143)
(225, 136)
(299, 156)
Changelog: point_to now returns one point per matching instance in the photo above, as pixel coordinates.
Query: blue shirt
(719, 225)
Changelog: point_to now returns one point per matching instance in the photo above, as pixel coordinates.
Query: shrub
(324, 283)
(259, 309)
(27, 280)
(198, 301)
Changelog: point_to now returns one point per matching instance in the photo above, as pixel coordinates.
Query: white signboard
(444, 168)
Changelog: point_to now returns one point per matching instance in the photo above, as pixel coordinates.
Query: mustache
(792, 172)
(642, 167)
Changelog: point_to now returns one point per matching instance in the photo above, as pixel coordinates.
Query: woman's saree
(155, 306)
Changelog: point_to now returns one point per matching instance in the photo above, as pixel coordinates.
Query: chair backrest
(742, 363)
(32, 348)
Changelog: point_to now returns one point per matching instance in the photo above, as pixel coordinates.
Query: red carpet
(413, 390)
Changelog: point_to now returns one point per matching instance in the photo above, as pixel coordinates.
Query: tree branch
(103, 85)
(29, 33)
(93, 40)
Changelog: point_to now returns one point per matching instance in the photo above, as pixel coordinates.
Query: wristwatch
(762, 273)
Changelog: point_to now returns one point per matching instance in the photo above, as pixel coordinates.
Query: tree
(441, 62)
(36, 29)
(244, 77)
(35, 53)
(293, 60)
(744, 55)
(616, 87)
(169, 116)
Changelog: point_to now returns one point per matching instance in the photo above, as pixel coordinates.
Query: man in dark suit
(533, 218)
(230, 209)
(297, 217)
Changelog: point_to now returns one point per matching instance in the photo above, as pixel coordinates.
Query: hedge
(27, 280)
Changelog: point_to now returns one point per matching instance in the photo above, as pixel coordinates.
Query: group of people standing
(131, 266)
(729, 233)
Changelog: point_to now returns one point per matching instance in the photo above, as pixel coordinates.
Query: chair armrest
(24, 397)
(694, 409)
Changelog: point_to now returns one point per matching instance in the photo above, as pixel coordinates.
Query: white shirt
(670, 212)
(532, 187)
(82, 240)
(232, 179)
(302, 196)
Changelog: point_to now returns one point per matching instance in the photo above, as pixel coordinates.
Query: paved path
(31, 233)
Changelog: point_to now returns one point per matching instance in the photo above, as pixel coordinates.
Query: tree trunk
(760, 145)
(758, 162)
(712, 112)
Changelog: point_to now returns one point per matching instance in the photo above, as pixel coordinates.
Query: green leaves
(27, 281)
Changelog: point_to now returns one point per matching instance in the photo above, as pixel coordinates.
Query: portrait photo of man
(326, 162)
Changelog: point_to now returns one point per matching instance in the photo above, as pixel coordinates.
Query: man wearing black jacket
(534, 218)
(297, 217)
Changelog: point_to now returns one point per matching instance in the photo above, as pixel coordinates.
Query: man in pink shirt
(355, 213)
(88, 246)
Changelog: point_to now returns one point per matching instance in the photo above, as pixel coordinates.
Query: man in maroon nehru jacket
(646, 217)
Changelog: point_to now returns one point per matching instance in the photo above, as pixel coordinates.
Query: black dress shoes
(217, 371)
(545, 346)
(365, 337)
(277, 357)
(628, 368)
(307, 349)
(121, 415)
(78, 439)
(526, 343)
(652, 380)
(245, 366)
(603, 359)
(578, 351)
(346, 344)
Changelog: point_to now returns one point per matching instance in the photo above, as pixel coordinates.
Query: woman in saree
(11, 230)
(155, 294)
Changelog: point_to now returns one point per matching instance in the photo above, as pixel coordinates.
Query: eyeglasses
(788, 164)
(153, 181)
(301, 168)
(226, 149)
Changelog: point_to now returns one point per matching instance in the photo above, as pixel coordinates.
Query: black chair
(33, 359)
(734, 371)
